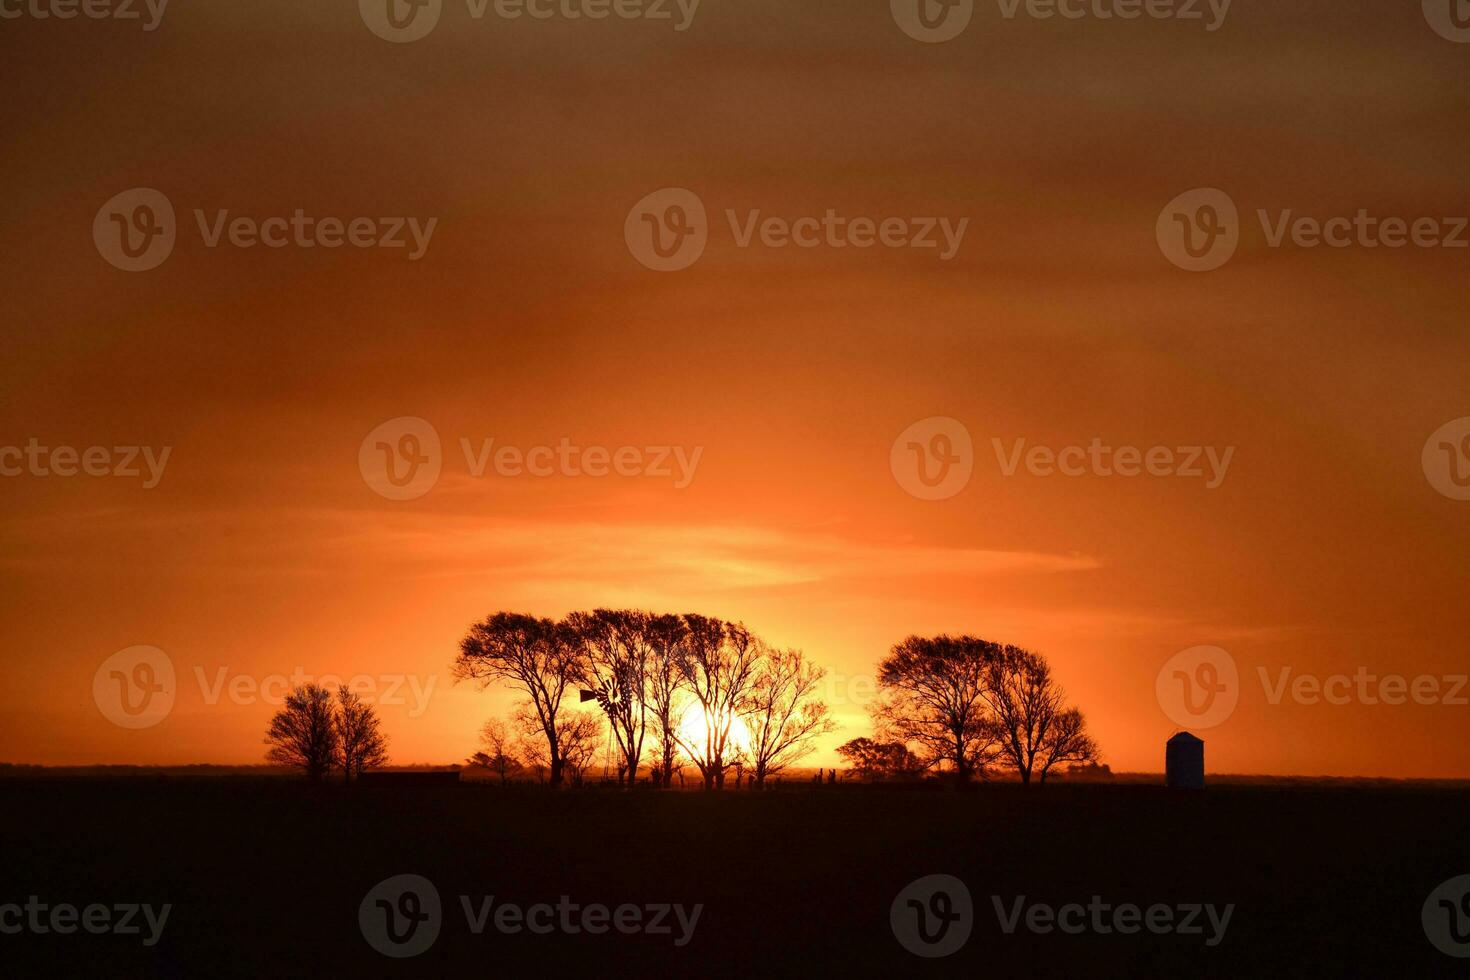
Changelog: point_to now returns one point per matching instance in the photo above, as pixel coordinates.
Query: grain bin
(1184, 762)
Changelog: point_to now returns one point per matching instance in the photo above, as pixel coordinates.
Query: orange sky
(262, 550)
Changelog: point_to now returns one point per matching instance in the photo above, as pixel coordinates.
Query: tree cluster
(318, 732)
(965, 706)
(876, 762)
(669, 687)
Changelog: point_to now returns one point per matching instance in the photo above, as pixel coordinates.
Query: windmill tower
(609, 698)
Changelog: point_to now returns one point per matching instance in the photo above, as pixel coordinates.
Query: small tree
(578, 737)
(580, 734)
(880, 761)
(361, 744)
(782, 713)
(303, 734)
(497, 756)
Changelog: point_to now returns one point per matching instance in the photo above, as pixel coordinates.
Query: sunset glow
(764, 394)
(695, 729)
(713, 488)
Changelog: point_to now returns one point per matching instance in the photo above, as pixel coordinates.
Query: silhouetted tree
(718, 662)
(614, 656)
(578, 737)
(303, 734)
(497, 757)
(580, 733)
(782, 714)
(1037, 731)
(1068, 741)
(536, 657)
(361, 744)
(531, 741)
(665, 684)
(880, 761)
(932, 695)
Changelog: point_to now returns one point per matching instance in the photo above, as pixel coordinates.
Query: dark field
(266, 875)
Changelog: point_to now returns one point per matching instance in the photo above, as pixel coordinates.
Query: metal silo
(1184, 762)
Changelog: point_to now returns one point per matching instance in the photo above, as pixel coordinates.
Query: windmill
(613, 697)
(607, 696)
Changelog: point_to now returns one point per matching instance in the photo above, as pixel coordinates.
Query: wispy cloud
(695, 558)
